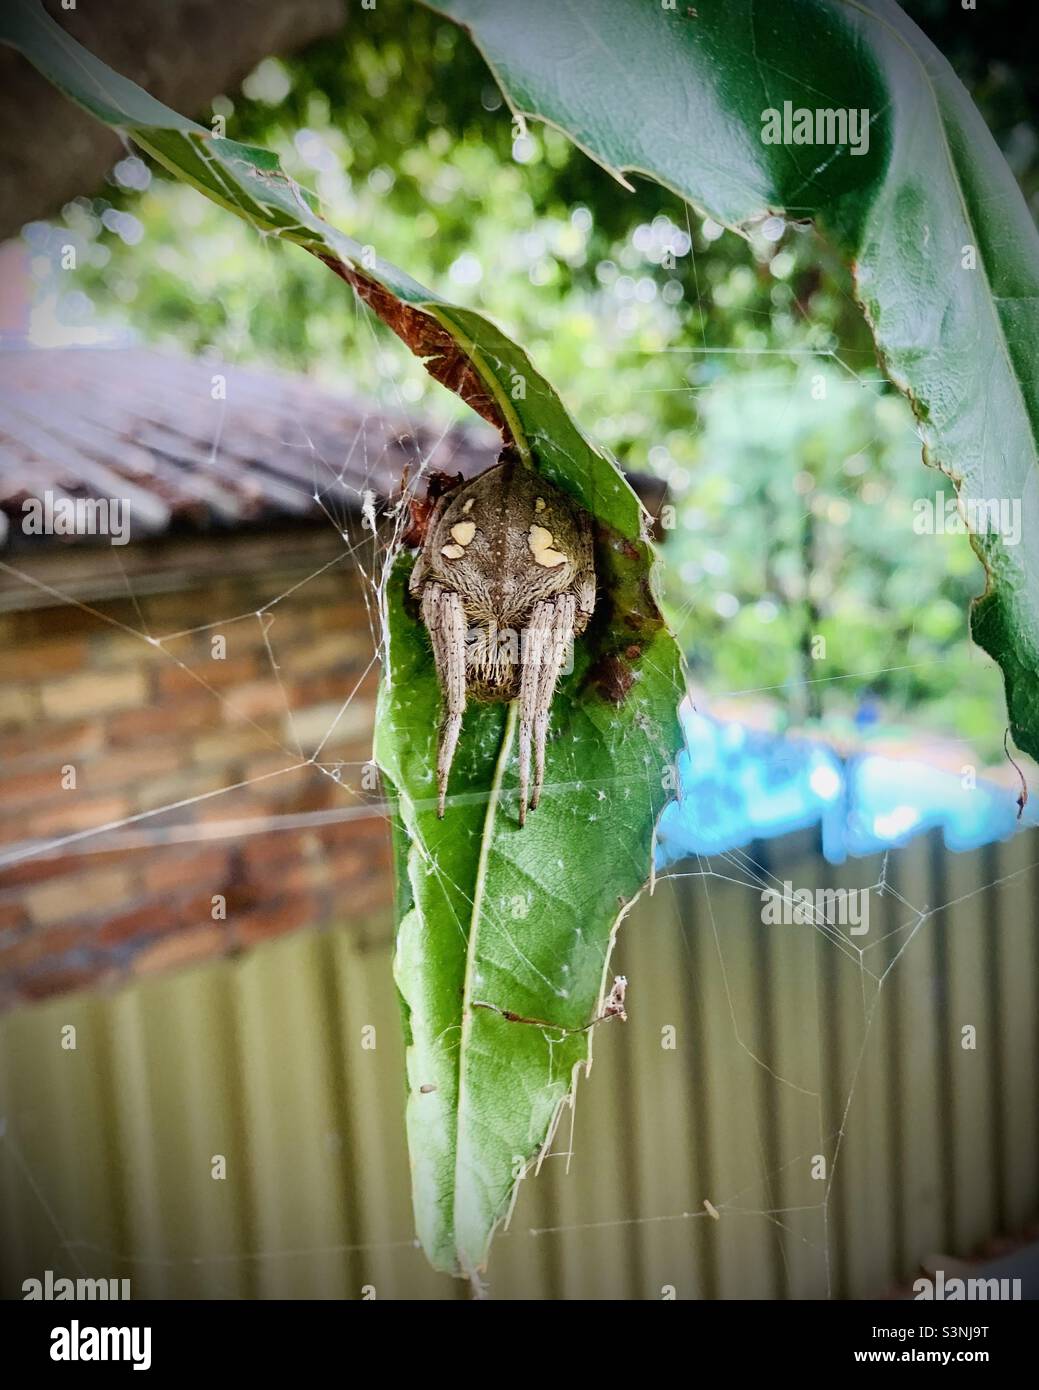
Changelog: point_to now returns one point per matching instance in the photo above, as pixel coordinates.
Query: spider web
(371, 531)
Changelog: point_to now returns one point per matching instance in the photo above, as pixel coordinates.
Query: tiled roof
(153, 428)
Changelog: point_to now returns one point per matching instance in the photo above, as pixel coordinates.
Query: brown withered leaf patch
(431, 343)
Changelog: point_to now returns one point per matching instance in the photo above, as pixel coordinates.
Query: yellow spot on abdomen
(540, 542)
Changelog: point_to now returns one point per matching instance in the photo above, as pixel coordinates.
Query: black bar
(268, 1337)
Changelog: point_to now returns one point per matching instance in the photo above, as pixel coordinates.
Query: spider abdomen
(507, 580)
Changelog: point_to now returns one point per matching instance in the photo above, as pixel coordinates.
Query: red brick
(333, 686)
(127, 767)
(167, 870)
(43, 743)
(98, 891)
(373, 864)
(104, 773)
(180, 948)
(42, 868)
(149, 919)
(352, 757)
(44, 624)
(74, 813)
(192, 676)
(194, 908)
(94, 694)
(48, 943)
(234, 807)
(44, 659)
(180, 609)
(229, 745)
(12, 916)
(254, 701)
(276, 762)
(35, 786)
(183, 785)
(275, 920)
(19, 706)
(324, 721)
(306, 875)
(50, 982)
(38, 869)
(336, 651)
(184, 714)
(359, 897)
(262, 854)
(111, 650)
(347, 617)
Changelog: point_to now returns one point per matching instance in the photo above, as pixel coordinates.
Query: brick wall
(98, 725)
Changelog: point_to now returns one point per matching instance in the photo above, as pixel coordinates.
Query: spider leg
(584, 587)
(544, 650)
(552, 661)
(533, 644)
(444, 617)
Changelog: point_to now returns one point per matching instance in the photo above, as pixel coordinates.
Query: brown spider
(506, 578)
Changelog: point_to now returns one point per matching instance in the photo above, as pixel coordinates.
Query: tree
(184, 52)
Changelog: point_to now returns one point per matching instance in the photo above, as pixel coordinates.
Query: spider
(506, 578)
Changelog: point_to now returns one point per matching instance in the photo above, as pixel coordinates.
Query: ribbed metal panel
(785, 1049)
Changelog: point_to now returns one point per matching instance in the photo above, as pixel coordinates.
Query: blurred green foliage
(739, 370)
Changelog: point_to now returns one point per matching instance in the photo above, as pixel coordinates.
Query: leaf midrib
(479, 889)
(954, 175)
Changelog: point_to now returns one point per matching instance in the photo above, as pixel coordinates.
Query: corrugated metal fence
(824, 1104)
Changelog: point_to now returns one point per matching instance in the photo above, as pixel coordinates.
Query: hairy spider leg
(444, 617)
(543, 651)
(531, 647)
(551, 664)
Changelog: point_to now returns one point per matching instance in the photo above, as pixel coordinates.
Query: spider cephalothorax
(506, 579)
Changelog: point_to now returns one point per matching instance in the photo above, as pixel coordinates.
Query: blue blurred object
(739, 785)
(867, 713)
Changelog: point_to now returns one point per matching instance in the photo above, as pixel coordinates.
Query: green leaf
(521, 920)
(504, 933)
(679, 95)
